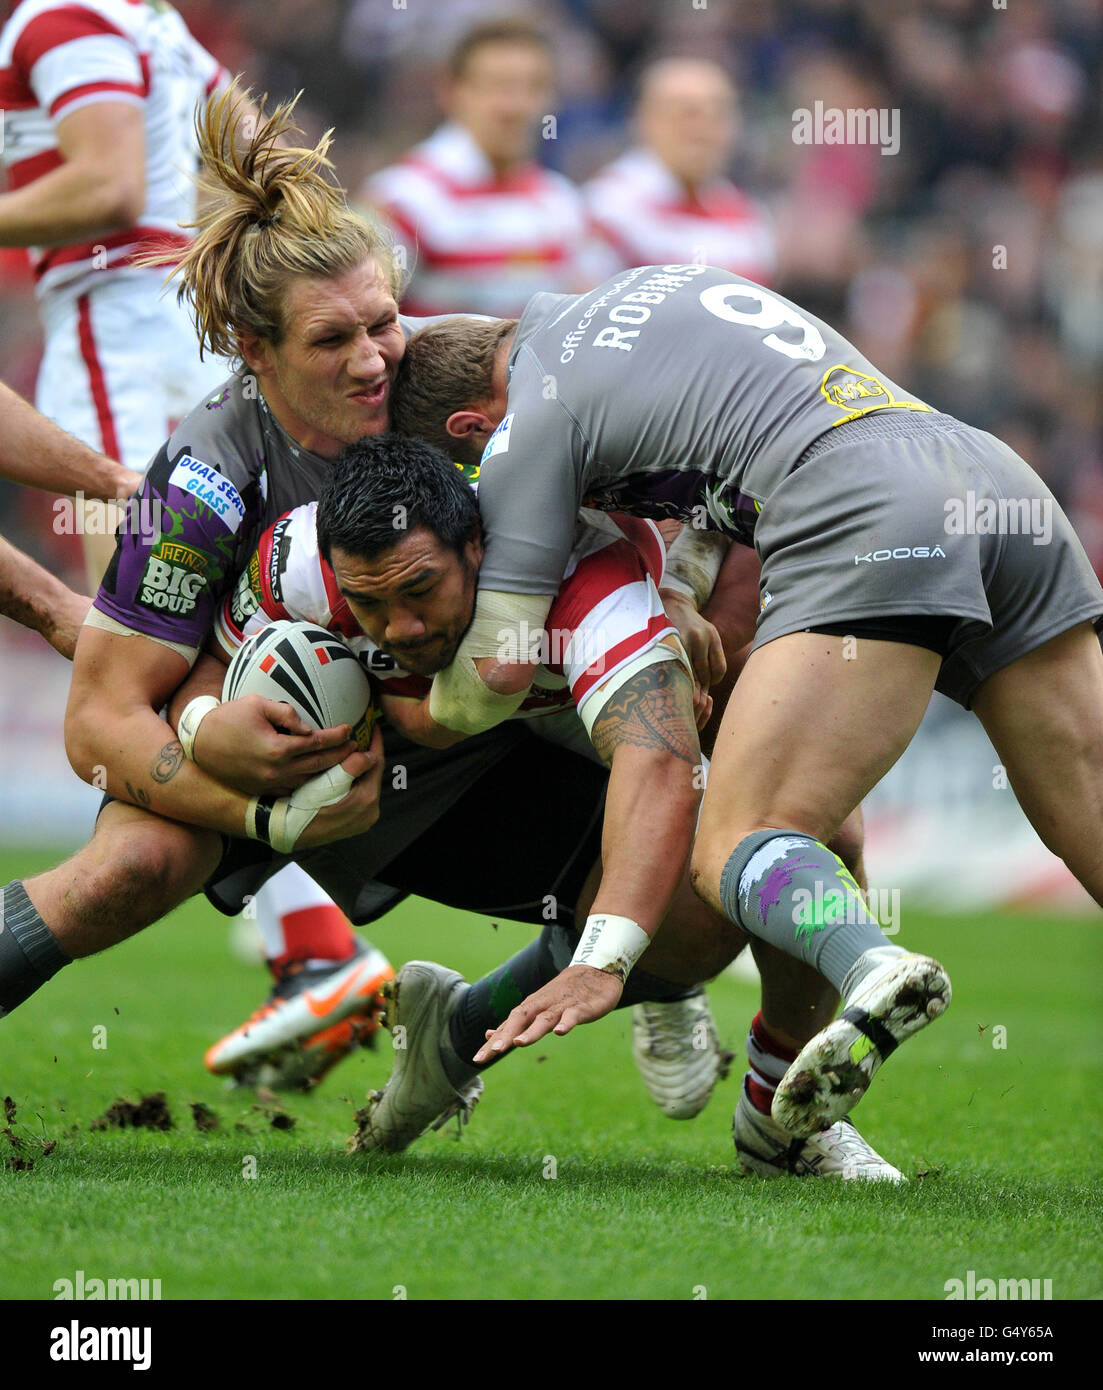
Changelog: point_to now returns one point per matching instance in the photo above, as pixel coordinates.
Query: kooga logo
(902, 552)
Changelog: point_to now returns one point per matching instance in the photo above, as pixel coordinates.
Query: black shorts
(934, 633)
(525, 829)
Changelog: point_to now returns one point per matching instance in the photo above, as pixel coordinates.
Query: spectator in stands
(669, 199)
(483, 226)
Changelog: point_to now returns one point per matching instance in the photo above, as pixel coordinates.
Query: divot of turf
(151, 1112)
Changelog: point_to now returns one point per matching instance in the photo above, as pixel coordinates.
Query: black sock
(29, 954)
(489, 1001)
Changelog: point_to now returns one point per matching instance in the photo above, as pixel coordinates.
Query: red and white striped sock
(298, 922)
(769, 1061)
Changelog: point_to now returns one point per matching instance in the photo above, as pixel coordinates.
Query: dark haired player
(389, 558)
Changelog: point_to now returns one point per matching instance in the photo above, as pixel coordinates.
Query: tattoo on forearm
(138, 794)
(654, 710)
(168, 762)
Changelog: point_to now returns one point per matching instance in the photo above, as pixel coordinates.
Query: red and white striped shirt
(474, 242)
(57, 56)
(607, 612)
(645, 216)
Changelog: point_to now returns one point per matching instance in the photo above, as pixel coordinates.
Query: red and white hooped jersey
(57, 56)
(476, 243)
(645, 216)
(607, 612)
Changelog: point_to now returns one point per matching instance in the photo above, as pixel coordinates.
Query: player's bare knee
(111, 899)
(146, 870)
(848, 842)
(711, 851)
(704, 878)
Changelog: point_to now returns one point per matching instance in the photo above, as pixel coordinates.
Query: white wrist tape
(612, 944)
(195, 711)
(279, 821)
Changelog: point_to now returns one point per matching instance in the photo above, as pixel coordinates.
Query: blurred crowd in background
(968, 265)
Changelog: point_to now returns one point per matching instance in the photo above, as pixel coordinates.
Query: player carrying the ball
(388, 558)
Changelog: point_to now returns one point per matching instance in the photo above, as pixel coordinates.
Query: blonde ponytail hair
(267, 213)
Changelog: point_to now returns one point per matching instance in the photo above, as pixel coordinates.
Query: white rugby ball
(312, 670)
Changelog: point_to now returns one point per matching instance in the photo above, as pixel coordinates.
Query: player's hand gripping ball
(318, 675)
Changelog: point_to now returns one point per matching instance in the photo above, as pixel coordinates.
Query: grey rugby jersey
(668, 391)
(227, 471)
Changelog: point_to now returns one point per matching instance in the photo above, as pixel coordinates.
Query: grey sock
(788, 889)
(29, 953)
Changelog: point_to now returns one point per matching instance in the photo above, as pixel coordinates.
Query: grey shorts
(923, 515)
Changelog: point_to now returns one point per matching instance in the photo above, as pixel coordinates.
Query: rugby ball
(312, 670)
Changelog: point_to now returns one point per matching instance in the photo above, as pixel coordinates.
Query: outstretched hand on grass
(578, 994)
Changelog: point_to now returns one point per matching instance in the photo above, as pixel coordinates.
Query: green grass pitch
(1001, 1144)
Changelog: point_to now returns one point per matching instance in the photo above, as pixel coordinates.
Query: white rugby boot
(678, 1053)
(765, 1150)
(832, 1072)
(418, 1096)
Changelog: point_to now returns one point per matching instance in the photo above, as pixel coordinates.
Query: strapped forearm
(693, 563)
(734, 606)
(506, 627)
(205, 678)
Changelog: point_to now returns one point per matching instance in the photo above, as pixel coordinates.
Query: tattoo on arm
(168, 762)
(653, 710)
(138, 794)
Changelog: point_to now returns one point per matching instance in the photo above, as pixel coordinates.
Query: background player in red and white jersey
(99, 98)
(669, 200)
(483, 225)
